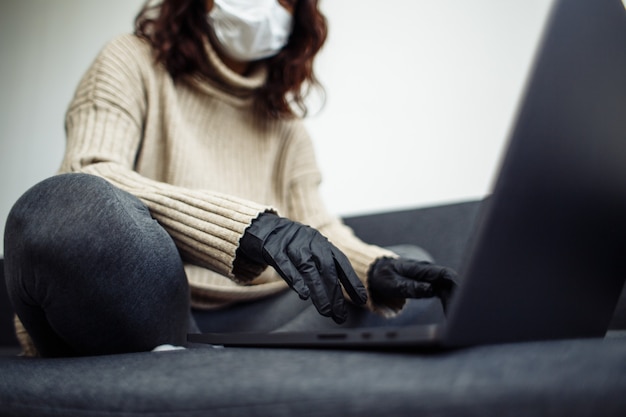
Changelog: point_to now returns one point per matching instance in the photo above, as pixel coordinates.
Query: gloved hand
(391, 281)
(306, 260)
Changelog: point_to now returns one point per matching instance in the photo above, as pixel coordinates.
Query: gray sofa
(556, 378)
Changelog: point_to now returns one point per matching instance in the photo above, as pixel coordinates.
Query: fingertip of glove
(339, 319)
(362, 297)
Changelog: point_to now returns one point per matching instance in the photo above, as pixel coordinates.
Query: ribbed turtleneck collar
(231, 86)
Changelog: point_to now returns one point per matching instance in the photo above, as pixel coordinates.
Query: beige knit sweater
(194, 153)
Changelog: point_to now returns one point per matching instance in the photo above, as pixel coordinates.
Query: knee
(49, 208)
(52, 195)
(32, 236)
(80, 219)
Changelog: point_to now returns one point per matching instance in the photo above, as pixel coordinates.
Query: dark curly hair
(177, 30)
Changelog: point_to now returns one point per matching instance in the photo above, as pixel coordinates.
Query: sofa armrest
(443, 231)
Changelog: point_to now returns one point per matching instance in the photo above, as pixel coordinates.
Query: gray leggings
(90, 272)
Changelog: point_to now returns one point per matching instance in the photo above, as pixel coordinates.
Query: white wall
(421, 96)
(420, 92)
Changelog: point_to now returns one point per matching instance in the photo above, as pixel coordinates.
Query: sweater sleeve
(104, 128)
(307, 206)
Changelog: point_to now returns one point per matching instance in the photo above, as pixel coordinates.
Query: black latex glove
(306, 260)
(391, 281)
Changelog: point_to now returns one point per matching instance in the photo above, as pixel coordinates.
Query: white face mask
(248, 30)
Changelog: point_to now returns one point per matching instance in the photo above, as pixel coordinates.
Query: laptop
(547, 259)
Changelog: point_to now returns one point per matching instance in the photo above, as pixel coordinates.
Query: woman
(188, 171)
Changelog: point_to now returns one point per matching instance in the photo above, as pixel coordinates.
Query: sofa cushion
(562, 378)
